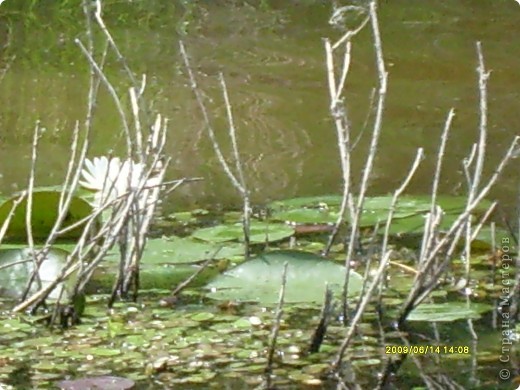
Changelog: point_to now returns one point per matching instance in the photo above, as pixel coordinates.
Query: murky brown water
(273, 60)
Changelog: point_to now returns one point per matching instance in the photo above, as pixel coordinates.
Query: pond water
(272, 56)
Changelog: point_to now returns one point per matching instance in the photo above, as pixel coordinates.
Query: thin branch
(275, 330)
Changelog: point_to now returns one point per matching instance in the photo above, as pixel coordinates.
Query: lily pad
(259, 280)
(448, 312)
(408, 216)
(260, 232)
(414, 224)
(203, 316)
(307, 215)
(44, 214)
(422, 203)
(503, 238)
(13, 279)
(322, 201)
(175, 250)
(167, 262)
(101, 351)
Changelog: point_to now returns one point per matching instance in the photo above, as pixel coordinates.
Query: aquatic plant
(128, 189)
(111, 178)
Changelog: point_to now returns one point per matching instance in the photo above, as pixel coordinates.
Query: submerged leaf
(19, 266)
(447, 312)
(100, 382)
(260, 279)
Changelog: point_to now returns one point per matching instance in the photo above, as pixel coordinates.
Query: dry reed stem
(111, 90)
(341, 122)
(421, 289)
(336, 365)
(384, 261)
(275, 330)
(7, 221)
(367, 171)
(35, 275)
(474, 180)
(430, 226)
(238, 166)
(237, 180)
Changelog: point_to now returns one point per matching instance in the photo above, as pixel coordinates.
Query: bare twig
(28, 216)
(336, 365)
(7, 221)
(275, 330)
(238, 166)
(367, 171)
(237, 180)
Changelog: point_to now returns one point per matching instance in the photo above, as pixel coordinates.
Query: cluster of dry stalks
(121, 220)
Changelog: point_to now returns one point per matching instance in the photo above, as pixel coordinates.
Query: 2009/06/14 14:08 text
(426, 349)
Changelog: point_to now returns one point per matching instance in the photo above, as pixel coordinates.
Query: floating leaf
(203, 316)
(422, 203)
(260, 279)
(167, 262)
(447, 312)
(323, 201)
(260, 232)
(242, 323)
(101, 351)
(408, 216)
(14, 324)
(503, 239)
(175, 250)
(13, 278)
(183, 216)
(414, 224)
(304, 216)
(43, 215)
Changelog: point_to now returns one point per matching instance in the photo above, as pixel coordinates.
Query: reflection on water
(273, 62)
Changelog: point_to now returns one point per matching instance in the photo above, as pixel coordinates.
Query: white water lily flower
(111, 178)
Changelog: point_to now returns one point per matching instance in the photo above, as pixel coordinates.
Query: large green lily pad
(260, 232)
(259, 280)
(43, 216)
(13, 279)
(166, 262)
